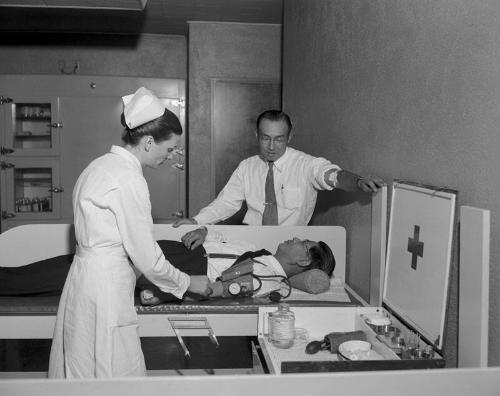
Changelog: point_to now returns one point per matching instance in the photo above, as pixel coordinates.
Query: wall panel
(403, 89)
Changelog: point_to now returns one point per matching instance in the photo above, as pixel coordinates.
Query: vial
(282, 327)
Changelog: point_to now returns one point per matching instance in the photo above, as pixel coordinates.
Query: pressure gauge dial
(234, 288)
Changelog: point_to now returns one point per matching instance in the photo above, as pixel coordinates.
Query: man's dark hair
(275, 116)
(322, 258)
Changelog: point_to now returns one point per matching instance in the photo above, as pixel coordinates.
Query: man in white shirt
(296, 177)
(291, 258)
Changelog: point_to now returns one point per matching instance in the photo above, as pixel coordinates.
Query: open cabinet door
(92, 125)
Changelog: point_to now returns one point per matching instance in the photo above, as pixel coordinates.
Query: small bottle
(282, 326)
(45, 204)
(35, 202)
(24, 205)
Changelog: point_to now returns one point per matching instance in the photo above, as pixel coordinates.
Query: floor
(163, 356)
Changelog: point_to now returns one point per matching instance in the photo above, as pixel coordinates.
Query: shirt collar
(273, 261)
(127, 155)
(281, 161)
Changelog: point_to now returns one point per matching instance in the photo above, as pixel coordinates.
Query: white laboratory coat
(96, 328)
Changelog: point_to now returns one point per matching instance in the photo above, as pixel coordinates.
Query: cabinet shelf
(33, 182)
(38, 136)
(36, 118)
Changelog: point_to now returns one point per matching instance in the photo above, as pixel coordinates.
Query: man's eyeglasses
(307, 246)
(269, 139)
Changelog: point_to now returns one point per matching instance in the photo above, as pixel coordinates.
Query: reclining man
(291, 258)
(201, 252)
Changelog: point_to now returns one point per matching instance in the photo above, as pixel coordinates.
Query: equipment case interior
(414, 296)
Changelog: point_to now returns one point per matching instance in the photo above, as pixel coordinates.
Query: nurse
(96, 332)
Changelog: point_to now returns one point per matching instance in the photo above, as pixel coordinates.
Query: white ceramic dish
(358, 350)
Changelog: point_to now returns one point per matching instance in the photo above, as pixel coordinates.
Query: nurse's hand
(195, 238)
(184, 221)
(200, 285)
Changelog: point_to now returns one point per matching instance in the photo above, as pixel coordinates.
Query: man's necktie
(240, 257)
(270, 215)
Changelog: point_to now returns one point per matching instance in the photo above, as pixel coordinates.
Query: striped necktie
(270, 215)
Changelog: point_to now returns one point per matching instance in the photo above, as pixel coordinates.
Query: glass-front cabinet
(29, 160)
(32, 127)
(32, 190)
(53, 126)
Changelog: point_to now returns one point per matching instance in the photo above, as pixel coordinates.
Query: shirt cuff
(214, 236)
(202, 219)
(333, 176)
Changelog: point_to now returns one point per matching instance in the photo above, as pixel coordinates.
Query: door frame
(213, 83)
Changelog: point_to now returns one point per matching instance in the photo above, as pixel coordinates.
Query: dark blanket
(42, 278)
(47, 277)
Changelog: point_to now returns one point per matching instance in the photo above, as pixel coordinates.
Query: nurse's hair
(275, 116)
(161, 129)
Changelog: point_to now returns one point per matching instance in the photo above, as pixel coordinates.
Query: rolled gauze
(313, 281)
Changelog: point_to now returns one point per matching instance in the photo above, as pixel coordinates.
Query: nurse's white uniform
(96, 332)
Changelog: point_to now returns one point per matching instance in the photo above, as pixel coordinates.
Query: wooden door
(236, 105)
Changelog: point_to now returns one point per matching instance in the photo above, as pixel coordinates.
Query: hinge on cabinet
(179, 214)
(178, 166)
(5, 100)
(56, 189)
(6, 165)
(6, 150)
(178, 102)
(7, 215)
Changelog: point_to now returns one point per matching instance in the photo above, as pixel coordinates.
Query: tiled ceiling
(159, 17)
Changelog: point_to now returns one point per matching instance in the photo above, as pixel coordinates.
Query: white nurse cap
(141, 107)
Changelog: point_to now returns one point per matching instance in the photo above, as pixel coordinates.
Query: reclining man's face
(297, 250)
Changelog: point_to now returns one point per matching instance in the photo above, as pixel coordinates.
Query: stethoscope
(275, 296)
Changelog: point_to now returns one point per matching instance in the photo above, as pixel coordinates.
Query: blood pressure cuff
(333, 340)
(239, 275)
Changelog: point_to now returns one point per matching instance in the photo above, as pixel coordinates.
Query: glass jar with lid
(282, 326)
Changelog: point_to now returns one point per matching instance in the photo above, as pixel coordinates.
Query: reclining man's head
(299, 255)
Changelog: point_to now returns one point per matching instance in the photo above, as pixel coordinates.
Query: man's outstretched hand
(370, 184)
